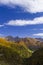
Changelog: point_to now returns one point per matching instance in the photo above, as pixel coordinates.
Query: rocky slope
(31, 43)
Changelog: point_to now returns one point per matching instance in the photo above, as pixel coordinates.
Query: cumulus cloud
(38, 34)
(38, 20)
(32, 6)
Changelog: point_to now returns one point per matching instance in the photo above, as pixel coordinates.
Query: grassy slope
(12, 53)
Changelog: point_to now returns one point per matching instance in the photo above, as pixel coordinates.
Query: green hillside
(12, 53)
(9, 57)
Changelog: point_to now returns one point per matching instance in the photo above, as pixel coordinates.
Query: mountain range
(31, 43)
(21, 51)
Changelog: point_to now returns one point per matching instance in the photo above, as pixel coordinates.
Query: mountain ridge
(31, 43)
(19, 52)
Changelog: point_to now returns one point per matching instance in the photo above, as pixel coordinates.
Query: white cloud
(41, 29)
(38, 20)
(38, 34)
(32, 6)
(1, 25)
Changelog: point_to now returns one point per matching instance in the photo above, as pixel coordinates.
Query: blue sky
(21, 18)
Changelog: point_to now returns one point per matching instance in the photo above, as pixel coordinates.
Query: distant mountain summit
(40, 39)
(11, 38)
